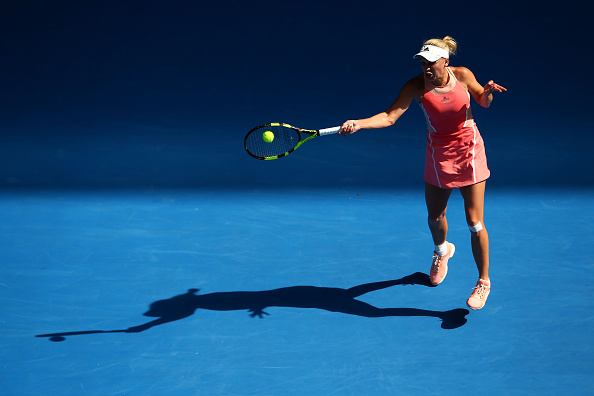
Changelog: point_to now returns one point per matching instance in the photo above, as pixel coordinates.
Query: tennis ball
(268, 136)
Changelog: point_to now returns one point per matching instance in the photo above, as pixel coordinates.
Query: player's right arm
(410, 90)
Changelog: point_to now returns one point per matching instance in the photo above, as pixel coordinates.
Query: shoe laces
(436, 263)
(480, 290)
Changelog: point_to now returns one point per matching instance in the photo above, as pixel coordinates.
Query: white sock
(442, 249)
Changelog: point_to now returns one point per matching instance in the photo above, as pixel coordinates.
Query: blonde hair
(447, 43)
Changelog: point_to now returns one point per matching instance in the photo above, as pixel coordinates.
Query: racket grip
(328, 131)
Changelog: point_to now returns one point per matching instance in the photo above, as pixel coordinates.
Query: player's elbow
(393, 115)
(391, 119)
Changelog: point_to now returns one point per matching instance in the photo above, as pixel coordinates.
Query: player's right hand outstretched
(350, 126)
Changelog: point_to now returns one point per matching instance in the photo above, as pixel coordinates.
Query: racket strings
(285, 140)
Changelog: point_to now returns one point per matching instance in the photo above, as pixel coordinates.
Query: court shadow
(255, 302)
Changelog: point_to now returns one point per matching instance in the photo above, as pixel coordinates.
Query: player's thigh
(474, 202)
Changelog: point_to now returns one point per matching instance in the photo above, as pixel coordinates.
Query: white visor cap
(433, 53)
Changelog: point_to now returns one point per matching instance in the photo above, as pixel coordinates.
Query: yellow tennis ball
(268, 136)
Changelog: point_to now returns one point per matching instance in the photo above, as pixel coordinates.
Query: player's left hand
(491, 87)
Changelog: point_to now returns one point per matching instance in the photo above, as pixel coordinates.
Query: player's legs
(474, 202)
(436, 199)
(437, 203)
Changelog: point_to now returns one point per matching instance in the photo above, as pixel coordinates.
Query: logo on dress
(445, 99)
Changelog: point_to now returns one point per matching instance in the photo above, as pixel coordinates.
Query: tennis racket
(276, 140)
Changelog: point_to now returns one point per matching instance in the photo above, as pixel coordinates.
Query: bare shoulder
(415, 87)
(460, 70)
(463, 74)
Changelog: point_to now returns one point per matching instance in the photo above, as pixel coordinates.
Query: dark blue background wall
(143, 94)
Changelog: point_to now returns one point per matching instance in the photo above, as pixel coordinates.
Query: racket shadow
(255, 302)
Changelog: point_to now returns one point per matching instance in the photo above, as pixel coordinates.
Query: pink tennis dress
(455, 154)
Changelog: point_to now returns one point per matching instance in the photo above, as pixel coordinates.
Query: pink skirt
(456, 160)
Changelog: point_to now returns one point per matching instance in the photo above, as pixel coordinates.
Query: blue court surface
(143, 252)
(290, 291)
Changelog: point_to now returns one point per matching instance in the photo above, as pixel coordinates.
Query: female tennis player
(455, 156)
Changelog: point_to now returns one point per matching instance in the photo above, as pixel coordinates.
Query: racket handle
(328, 131)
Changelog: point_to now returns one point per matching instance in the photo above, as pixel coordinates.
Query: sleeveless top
(455, 155)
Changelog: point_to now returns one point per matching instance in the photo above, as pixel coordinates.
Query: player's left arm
(482, 95)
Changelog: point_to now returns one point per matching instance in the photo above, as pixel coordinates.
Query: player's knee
(436, 218)
(476, 228)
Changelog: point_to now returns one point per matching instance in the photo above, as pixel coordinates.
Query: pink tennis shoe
(478, 298)
(439, 267)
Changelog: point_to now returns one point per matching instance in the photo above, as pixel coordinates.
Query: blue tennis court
(145, 253)
(290, 291)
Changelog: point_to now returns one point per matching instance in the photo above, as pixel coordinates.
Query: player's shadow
(328, 298)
